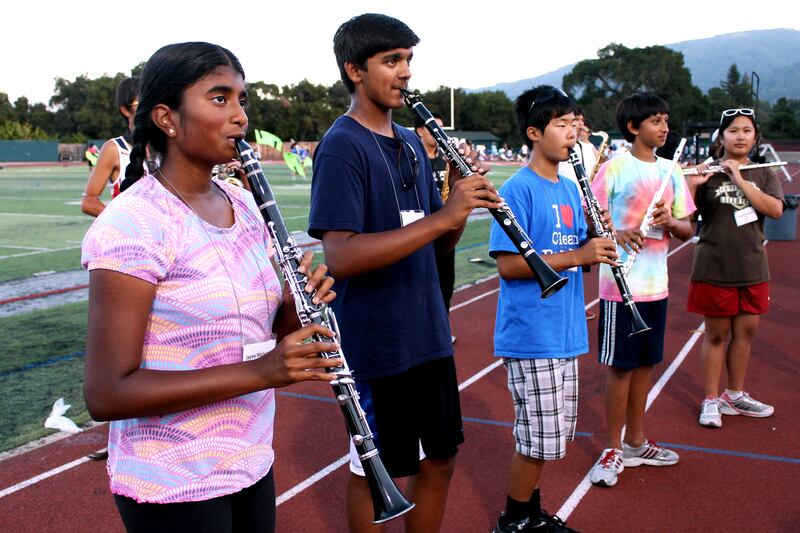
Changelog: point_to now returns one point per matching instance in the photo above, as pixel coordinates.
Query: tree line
(84, 108)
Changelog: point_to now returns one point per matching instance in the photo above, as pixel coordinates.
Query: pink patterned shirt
(197, 321)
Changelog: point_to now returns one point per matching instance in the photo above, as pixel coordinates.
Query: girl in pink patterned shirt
(189, 330)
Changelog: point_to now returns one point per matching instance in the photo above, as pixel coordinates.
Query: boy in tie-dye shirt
(625, 186)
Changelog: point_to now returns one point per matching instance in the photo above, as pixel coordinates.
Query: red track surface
(741, 477)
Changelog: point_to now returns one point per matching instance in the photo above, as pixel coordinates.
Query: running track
(741, 477)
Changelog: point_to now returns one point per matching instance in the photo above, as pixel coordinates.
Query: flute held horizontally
(387, 501)
(548, 279)
(721, 168)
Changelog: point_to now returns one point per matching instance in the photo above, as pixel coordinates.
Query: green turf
(41, 228)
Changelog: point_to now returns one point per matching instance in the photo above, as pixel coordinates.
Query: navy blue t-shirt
(394, 318)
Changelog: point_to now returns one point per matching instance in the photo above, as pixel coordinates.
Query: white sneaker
(709, 413)
(606, 470)
(744, 405)
(648, 453)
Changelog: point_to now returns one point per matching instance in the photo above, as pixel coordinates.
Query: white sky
(284, 42)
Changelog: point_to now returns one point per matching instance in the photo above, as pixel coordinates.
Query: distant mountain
(772, 54)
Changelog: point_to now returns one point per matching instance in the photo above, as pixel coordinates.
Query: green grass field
(41, 229)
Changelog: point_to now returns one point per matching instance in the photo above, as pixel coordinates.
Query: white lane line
(15, 247)
(43, 215)
(40, 477)
(41, 252)
(583, 487)
(306, 483)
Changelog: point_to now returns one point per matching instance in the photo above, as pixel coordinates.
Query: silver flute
(647, 222)
(721, 168)
(595, 214)
(387, 500)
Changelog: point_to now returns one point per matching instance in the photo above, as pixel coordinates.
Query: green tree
(737, 87)
(12, 131)
(86, 108)
(619, 72)
(782, 122)
(7, 113)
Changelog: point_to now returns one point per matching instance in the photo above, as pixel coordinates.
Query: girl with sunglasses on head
(730, 276)
(189, 331)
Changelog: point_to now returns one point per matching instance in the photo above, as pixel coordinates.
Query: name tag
(411, 215)
(254, 350)
(656, 232)
(745, 216)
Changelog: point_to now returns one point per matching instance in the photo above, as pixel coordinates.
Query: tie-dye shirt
(625, 186)
(197, 321)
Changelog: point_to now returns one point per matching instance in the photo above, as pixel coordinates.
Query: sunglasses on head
(411, 155)
(738, 111)
(547, 95)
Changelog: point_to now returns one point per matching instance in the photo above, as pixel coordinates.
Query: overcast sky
(284, 42)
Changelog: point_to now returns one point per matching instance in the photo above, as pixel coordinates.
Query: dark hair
(166, 75)
(363, 36)
(127, 93)
(536, 107)
(636, 109)
(419, 123)
(718, 146)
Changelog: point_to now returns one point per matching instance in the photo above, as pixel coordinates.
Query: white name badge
(253, 350)
(411, 215)
(745, 216)
(656, 232)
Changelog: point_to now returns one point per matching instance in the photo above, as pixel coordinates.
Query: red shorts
(712, 300)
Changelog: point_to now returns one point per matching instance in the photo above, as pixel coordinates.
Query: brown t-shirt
(728, 254)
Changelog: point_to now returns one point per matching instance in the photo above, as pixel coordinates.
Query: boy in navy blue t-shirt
(376, 208)
(539, 339)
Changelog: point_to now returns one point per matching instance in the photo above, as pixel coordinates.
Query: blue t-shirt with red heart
(527, 325)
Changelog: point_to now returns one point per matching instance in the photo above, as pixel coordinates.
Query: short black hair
(419, 123)
(127, 93)
(536, 107)
(363, 36)
(637, 108)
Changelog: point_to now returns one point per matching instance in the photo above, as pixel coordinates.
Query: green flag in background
(269, 139)
(293, 162)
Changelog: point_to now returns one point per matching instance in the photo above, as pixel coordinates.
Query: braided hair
(166, 75)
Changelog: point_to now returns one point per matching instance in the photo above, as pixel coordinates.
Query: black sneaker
(555, 524)
(524, 525)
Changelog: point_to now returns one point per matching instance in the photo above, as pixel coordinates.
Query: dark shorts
(620, 351)
(251, 509)
(415, 411)
(712, 300)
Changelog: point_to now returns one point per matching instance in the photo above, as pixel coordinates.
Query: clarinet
(647, 222)
(549, 281)
(593, 208)
(387, 500)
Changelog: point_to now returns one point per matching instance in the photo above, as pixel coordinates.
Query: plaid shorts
(545, 394)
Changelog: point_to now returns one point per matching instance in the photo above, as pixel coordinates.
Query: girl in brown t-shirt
(730, 276)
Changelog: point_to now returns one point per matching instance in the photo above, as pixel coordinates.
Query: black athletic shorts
(417, 407)
(644, 349)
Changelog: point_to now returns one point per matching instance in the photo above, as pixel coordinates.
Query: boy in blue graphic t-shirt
(539, 339)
